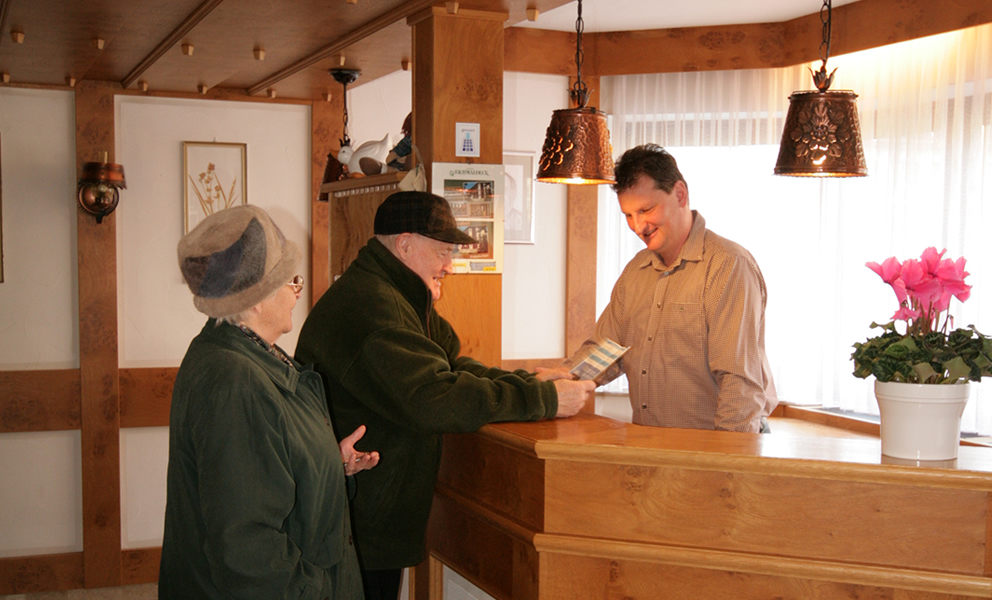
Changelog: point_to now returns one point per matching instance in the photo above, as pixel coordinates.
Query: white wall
(157, 318)
(533, 275)
(40, 495)
(40, 472)
(39, 297)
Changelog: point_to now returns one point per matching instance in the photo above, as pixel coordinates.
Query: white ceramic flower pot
(919, 421)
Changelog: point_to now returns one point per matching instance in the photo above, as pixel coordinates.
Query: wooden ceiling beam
(342, 43)
(4, 13)
(171, 40)
(856, 26)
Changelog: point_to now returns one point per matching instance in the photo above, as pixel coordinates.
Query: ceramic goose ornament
(376, 151)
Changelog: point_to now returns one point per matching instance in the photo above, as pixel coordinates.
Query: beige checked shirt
(696, 332)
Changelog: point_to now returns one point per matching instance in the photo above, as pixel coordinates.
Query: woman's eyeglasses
(297, 284)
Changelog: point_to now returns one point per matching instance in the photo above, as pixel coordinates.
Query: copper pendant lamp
(822, 134)
(577, 147)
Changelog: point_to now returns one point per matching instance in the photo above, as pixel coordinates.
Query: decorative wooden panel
(98, 356)
(39, 400)
(29, 574)
(643, 512)
(353, 203)
(146, 396)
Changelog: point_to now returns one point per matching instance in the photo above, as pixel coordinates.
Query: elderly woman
(256, 503)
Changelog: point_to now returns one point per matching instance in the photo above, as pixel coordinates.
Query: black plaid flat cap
(419, 212)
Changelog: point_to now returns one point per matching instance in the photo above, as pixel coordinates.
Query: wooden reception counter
(594, 508)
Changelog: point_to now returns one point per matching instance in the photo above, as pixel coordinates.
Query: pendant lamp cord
(820, 78)
(580, 92)
(345, 141)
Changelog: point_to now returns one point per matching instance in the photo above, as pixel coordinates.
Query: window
(926, 110)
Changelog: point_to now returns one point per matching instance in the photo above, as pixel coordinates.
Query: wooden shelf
(363, 185)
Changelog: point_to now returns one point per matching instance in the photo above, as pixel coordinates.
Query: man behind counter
(392, 363)
(691, 306)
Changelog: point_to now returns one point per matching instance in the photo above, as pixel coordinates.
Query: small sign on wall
(467, 139)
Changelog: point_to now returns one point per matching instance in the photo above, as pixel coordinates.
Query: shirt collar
(691, 251)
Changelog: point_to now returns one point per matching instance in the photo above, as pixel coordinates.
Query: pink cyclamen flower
(951, 275)
(920, 285)
(931, 259)
(905, 314)
(889, 271)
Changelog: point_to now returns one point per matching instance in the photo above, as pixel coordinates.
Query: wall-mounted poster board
(475, 193)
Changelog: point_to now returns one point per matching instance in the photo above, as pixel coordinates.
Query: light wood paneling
(99, 386)
(856, 26)
(28, 574)
(326, 128)
(508, 482)
(473, 304)
(140, 565)
(146, 396)
(714, 515)
(573, 577)
(39, 400)
(453, 85)
(352, 206)
(768, 514)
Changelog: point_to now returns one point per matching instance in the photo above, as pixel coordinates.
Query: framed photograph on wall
(214, 178)
(518, 202)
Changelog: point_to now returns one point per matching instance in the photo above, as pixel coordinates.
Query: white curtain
(926, 119)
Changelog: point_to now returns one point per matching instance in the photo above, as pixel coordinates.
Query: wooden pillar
(458, 78)
(326, 127)
(98, 353)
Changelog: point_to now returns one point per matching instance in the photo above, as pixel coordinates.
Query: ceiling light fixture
(344, 77)
(577, 146)
(822, 134)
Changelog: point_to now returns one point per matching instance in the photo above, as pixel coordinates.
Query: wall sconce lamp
(98, 191)
(822, 134)
(577, 147)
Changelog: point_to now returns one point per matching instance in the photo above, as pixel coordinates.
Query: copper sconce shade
(577, 148)
(822, 136)
(98, 188)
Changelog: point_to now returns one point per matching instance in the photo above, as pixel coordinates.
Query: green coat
(256, 502)
(390, 362)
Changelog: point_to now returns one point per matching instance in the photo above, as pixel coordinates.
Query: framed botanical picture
(518, 203)
(214, 178)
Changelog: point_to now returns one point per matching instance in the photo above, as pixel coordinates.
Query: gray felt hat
(234, 259)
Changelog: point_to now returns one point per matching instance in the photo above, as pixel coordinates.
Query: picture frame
(1, 213)
(518, 203)
(215, 177)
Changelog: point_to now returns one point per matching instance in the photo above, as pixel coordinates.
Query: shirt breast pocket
(683, 323)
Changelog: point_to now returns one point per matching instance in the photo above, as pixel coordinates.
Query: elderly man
(691, 306)
(391, 362)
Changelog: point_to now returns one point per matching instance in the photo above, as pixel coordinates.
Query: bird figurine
(368, 158)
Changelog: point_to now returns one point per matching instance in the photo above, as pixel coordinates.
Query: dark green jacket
(256, 502)
(390, 362)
